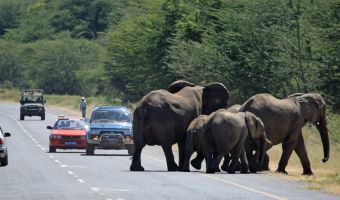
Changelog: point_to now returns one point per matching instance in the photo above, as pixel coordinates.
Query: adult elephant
(221, 133)
(283, 120)
(163, 116)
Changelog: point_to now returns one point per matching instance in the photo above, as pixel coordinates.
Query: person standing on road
(83, 107)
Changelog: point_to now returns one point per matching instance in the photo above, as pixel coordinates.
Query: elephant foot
(225, 167)
(307, 172)
(210, 171)
(136, 168)
(282, 171)
(230, 171)
(184, 169)
(196, 163)
(245, 172)
(173, 168)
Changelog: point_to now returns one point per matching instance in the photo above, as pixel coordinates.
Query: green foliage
(126, 48)
(66, 66)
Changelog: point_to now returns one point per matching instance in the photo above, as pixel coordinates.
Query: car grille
(71, 137)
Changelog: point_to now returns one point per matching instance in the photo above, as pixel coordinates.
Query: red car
(67, 133)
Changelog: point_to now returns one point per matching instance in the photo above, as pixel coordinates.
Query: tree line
(125, 48)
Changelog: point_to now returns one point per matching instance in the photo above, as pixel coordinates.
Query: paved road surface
(33, 173)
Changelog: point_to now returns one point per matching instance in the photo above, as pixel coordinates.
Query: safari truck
(32, 103)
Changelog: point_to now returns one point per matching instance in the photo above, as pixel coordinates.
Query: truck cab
(109, 127)
(32, 103)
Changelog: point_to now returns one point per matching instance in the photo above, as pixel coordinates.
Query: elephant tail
(138, 126)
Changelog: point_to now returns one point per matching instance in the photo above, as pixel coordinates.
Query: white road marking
(69, 166)
(70, 172)
(57, 161)
(51, 156)
(42, 148)
(231, 183)
(97, 189)
(81, 180)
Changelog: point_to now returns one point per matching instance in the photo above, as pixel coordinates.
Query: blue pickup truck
(110, 127)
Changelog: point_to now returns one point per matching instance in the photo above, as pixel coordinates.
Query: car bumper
(67, 144)
(32, 112)
(111, 141)
(3, 153)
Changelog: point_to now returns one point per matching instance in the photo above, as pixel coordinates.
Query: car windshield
(32, 99)
(102, 116)
(69, 124)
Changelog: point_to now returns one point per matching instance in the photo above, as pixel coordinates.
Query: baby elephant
(224, 132)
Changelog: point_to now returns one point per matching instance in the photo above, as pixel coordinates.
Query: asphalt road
(33, 173)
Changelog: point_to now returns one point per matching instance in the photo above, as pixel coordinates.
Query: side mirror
(49, 127)
(21, 102)
(7, 134)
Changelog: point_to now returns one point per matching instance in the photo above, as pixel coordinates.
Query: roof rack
(32, 91)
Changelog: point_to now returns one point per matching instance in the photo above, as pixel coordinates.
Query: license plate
(111, 139)
(70, 143)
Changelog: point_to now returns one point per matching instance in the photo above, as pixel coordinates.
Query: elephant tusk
(268, 141)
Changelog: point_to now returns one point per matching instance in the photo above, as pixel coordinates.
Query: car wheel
(130, 149)
(52, 149)
(42, 117)
(22, 117)
(4, 161)
(89, 149)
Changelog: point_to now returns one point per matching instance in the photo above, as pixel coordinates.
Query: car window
(69, 124)
(111, 115)
(32, 99)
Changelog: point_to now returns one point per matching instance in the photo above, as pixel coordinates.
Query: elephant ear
(215, 96)
(312, 107)
(178, 85)
(251, 123)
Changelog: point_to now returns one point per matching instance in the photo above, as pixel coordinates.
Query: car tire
(4, 161)
(130, 149)
(89, 149)
(22, 117)
(52, 149)
(42, 117)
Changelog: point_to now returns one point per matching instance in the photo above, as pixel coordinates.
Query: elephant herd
(199, 120)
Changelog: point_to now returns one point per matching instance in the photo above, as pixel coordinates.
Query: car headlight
(55, 137)
(128, 132)
(94, 132)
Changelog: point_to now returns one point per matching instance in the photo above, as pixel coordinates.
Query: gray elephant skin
(162, 117)
(283, 120)
(221, 133)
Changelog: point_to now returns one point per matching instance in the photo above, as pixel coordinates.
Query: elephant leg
(136, 160)
(265, 164)
(181, 154)
(300, 150)
(235, 156)
(197, 162)
(172, 166)
(214, 165)
(186, 166)
(287, 149)
(226, 162)
(244, 163)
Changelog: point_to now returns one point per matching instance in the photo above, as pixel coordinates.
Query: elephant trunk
(323, 130)
(262, 153)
